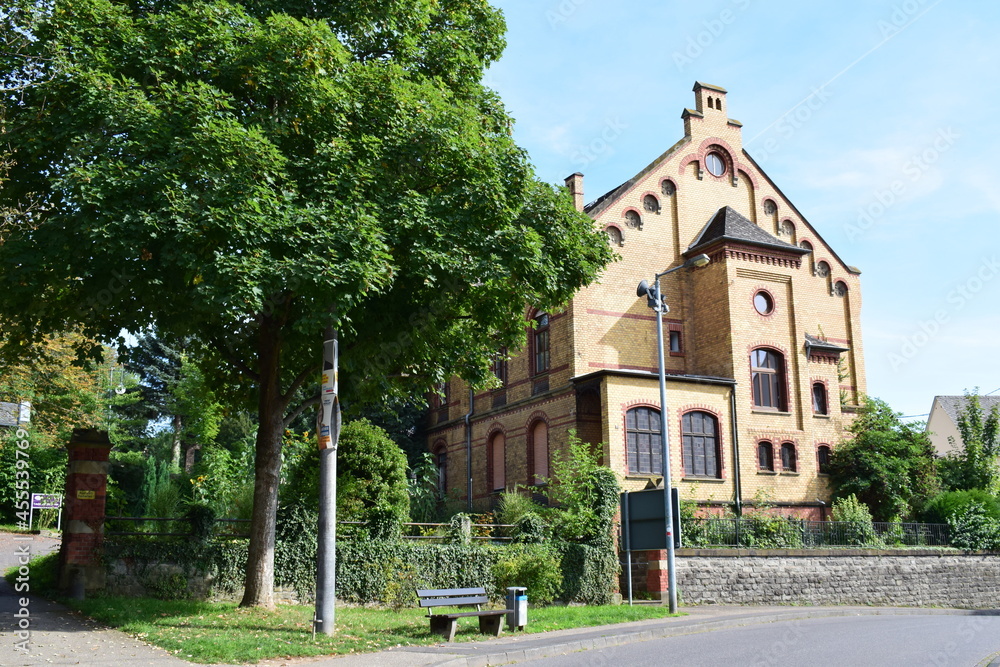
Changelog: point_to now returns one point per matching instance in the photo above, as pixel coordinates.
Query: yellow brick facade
(603, 345)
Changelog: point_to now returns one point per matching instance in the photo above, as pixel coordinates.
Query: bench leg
(491, 625)
(444, 626)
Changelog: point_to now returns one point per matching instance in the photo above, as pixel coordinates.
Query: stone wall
(833, 577)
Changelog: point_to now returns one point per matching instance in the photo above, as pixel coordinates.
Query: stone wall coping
(846, 552)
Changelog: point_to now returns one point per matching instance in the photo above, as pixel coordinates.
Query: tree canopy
(251, 173)
(887, 464)
(975, 465)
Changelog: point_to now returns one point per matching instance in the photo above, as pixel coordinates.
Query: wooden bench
(490, 621)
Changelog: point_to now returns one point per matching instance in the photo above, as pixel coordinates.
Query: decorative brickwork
(603, 343)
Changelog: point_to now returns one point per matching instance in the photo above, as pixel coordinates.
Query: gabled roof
(729, 225)
(594, 208)
(953, 405)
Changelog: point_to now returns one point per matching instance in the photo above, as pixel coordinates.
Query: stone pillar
(83, 514)
(657, 575)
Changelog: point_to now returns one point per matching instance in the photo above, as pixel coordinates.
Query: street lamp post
(655, 301)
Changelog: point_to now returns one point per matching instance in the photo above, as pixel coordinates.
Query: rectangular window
(675, 342)
(642, 426)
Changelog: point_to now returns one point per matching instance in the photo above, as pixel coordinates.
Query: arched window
(770, 208)
(840, 288)
(668, 188)
(822, 269)
(651, 204)
(823, 459)
(788, 459)
(767, 369)
(615, 236)
(642, 432)
(633, 220)
(805, 245)
(498, 462)
(765, 456)
(718, 103)
(820, 406)
(540, 344)
(539, 452)
(700, 442)
(441, 461)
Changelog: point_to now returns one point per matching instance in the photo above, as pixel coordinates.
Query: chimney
(575, 184)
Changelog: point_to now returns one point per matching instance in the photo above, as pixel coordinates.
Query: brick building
(764, 354)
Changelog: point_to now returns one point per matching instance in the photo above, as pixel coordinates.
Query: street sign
(643, 520)
(46, 501)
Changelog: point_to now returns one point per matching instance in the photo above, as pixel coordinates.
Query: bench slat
(490, 612)
(444, 592)
(454, 602)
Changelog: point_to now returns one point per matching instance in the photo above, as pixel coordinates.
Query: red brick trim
(788, 393)
(826, 389)
(774, 302)
(763, 205)
(533, 420)
(654, 195)
(770, 441)
(632, 316)
(672, 182)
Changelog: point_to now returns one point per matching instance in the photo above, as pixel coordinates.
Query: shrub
(514, 505)
(945, 505)
(769, 531)
(859, 529)
(973, 528)
(530, 529)
(534, 567)
(202, 520)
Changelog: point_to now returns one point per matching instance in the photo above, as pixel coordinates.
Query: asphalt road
(915, 640)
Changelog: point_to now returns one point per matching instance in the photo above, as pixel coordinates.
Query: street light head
(642, 289)
(698, 260)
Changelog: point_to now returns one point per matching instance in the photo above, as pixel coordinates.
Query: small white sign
(24, 415)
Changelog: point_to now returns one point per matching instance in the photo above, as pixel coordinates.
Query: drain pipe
(737, 491)
(468, 446)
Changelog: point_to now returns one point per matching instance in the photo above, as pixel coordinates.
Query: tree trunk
(178, 426)
(259, 583)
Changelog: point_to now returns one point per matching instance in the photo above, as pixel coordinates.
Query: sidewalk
(62, 637)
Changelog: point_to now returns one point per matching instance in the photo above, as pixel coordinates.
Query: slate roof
(820, 344)
(9, 413)
(953, 405)
(728, 225)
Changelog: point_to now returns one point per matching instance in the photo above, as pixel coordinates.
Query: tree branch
(234, 360)
(297, 382)
(299, 410)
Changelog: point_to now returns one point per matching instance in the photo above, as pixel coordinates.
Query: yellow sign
(85, 495)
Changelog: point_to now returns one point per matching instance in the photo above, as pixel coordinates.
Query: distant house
(942, 424)
(9, 413)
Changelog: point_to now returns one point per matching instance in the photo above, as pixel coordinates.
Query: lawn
(212, 632)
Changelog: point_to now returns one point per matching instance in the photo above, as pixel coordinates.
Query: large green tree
(887, 464)
(975, 465)
(254, 173)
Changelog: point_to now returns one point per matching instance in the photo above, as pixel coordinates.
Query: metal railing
(773, 532)
(494, 532)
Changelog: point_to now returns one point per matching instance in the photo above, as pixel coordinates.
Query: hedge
(367, 570)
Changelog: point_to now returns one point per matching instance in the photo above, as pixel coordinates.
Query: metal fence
(231, 528)
(773, 532)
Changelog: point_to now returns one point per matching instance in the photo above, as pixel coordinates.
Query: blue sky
(894, 161)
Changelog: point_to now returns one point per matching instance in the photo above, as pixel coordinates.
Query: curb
(520, 655)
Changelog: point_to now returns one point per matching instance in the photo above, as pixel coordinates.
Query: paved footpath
(60, 636)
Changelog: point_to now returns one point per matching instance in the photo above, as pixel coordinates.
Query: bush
(945, 505)
(973, 528)
(514, 505)
(530, 529)
(859, 530)
(769, 531)
(534, 567)
(202, 520)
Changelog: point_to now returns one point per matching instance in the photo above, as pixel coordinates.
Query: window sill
(819, 416)
(643, 477)
(789, 473)
(702, 479)
(767, 472)
(765, 411)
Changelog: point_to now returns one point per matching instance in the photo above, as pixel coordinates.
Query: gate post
(80, 566)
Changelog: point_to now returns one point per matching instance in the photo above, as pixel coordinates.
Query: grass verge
(214, 632)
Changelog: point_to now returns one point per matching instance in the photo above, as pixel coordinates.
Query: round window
(763, 302)
(715, 164)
